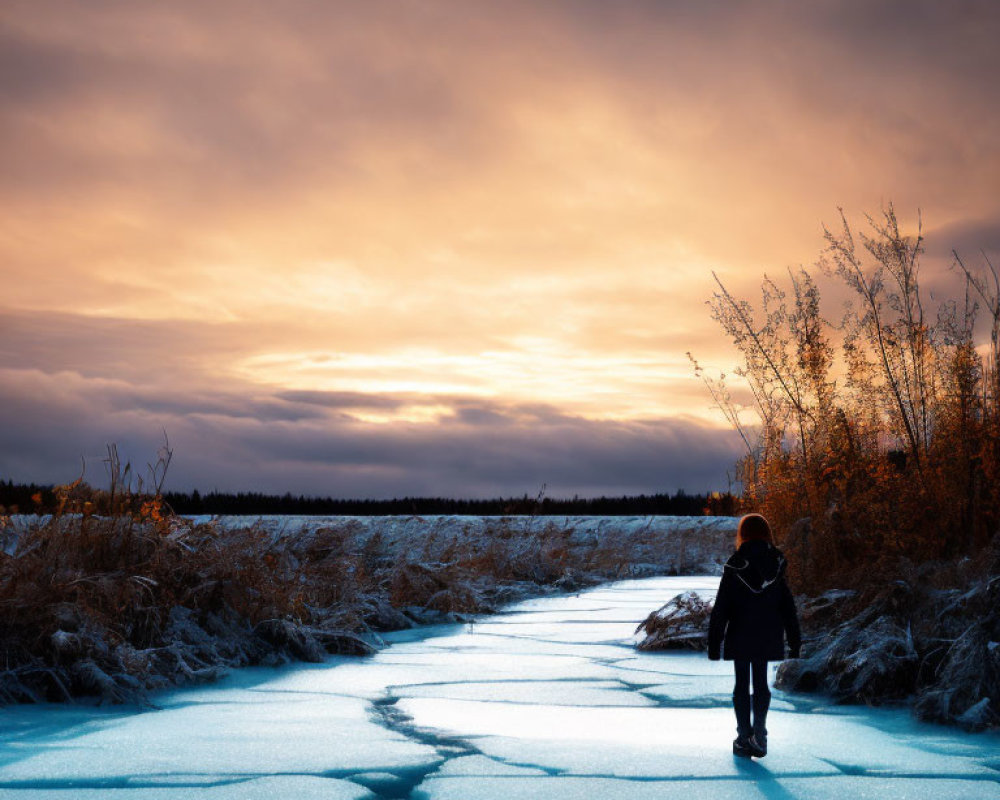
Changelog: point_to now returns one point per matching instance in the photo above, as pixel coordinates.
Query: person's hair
(752, 528)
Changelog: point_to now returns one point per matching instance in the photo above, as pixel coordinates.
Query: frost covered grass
(680, 624)
(116, 606)
(928, 634)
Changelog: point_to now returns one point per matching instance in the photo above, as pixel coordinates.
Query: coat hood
(757, 564)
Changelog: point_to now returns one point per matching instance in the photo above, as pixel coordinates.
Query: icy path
(546, 701)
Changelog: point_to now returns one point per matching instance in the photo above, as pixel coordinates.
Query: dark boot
(758, 741)
(744, 730)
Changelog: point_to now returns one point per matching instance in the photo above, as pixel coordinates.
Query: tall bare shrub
(882, 429)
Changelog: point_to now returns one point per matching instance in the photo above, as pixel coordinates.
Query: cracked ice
(548, 699)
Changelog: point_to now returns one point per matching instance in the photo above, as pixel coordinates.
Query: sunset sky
(444, 248)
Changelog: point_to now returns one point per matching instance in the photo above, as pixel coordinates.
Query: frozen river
(548, 700)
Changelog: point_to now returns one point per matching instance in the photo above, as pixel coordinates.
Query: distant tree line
(31, 498)
(26, 498)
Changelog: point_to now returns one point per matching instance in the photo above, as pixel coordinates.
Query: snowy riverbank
(117, 608)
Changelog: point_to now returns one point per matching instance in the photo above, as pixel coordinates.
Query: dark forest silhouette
(31, 498)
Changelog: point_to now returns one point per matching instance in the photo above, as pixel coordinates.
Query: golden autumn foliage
(876, 436)
(130, 494)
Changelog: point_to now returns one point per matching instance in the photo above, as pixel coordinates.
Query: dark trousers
(742, 701)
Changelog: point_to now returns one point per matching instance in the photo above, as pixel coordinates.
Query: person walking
(754, 612)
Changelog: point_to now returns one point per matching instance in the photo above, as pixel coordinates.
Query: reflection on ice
(634, 742)
(549, 700)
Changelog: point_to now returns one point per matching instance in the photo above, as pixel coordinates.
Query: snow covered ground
(650, 543)
(547, 700)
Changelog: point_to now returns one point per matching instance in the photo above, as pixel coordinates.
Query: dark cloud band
(225, 442)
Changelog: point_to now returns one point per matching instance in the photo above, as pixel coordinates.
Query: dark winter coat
(754, 608)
